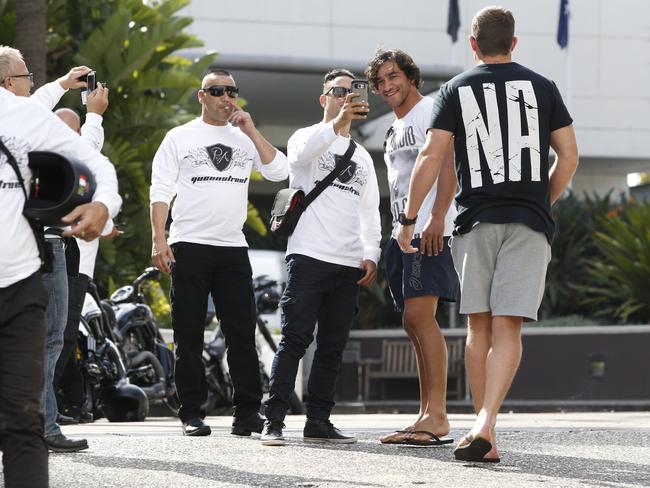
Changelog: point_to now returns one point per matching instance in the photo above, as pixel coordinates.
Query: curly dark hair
(400, 58)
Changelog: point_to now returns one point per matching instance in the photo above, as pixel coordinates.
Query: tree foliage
(134, 49)
(617, 284)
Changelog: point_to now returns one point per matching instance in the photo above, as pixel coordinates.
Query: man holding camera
(206, 164)
(333, 249)
(56, 282)
(417, 281)
(26, 126)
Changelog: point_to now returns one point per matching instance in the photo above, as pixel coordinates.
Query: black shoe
(196, 427)
(272, 434)
(65, 420)
(61, 443)
(248, 425)
(322, 431)
(85, 417)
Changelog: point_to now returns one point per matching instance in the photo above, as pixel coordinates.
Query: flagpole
(568, 71)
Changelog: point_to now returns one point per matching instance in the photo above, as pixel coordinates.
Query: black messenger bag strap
(14, 165)
(340, 167)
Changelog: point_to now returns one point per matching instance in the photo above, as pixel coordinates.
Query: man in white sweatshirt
(206, 164)
(333, 250)
(16, 78)
(26, 126)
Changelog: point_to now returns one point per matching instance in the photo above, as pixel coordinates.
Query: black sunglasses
(219, 90)
(338, 91)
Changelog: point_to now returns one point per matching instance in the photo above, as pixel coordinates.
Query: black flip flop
(432, 441)
(475, 450)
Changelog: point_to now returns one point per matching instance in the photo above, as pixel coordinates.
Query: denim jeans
(56, 284)
(316, 291)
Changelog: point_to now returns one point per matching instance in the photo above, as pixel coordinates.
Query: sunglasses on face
(338, 91)
(219, 90)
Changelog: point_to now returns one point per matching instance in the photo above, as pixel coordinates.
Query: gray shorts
(502, 269)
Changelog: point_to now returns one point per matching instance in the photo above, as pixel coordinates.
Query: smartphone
(360, 87)
(91, 81)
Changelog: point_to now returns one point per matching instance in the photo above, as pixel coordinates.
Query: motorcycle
(267, 299)
(106, 386)
(149, 362)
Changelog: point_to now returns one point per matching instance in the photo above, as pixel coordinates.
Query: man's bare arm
(563, 142)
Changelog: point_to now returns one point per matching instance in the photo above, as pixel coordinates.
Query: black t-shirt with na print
(502, 116)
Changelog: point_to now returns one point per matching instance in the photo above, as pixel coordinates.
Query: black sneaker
(323, 432)
(196, 427)
(272, 433)
(245, 426)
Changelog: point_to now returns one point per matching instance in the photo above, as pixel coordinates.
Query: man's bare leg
(501, 366)
(431, 354)
(420, 318)
(479, 341)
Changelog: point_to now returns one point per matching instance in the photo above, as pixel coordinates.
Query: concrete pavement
(549, 450)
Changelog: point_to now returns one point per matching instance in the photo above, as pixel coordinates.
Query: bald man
(68, 382)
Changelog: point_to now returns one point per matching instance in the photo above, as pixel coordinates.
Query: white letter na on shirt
(489, 132)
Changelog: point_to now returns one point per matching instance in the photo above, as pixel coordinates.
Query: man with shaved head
(80, 265)
(206, 165)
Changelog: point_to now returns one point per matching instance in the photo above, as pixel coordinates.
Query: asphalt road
(548, 450)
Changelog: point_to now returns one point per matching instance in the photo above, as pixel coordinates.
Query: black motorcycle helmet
(128, 403)
(267, 300)
(58, 186)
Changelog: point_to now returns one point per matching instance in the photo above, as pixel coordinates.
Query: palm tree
(31, 29)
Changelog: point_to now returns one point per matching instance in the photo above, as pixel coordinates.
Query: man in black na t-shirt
(503, 118)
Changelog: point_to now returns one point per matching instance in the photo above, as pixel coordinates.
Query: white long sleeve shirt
(342, 225)
(208, 169)
(27, 126)
(49, 94)
(92, 132)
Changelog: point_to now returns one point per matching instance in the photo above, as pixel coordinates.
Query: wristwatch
(401, 218)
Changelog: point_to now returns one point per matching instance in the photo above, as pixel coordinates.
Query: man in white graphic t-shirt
(333, 249)
(417, 281)
(206, 164)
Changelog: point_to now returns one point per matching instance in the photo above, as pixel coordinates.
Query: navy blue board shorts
(417, 275)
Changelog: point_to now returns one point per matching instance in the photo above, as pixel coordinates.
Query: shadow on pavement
(213, 472)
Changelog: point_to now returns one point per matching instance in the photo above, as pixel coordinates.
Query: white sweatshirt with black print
(342, 225)
(208, 169)
(27, 126)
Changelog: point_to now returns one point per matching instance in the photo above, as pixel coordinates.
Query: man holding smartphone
(417, 281)
(333, 249)
(206, 164)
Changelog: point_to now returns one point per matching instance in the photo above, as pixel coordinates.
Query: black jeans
(226, 273)
(22, 356)
(316, 291)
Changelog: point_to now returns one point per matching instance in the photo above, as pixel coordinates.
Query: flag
(563, 24)
(453, 20)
